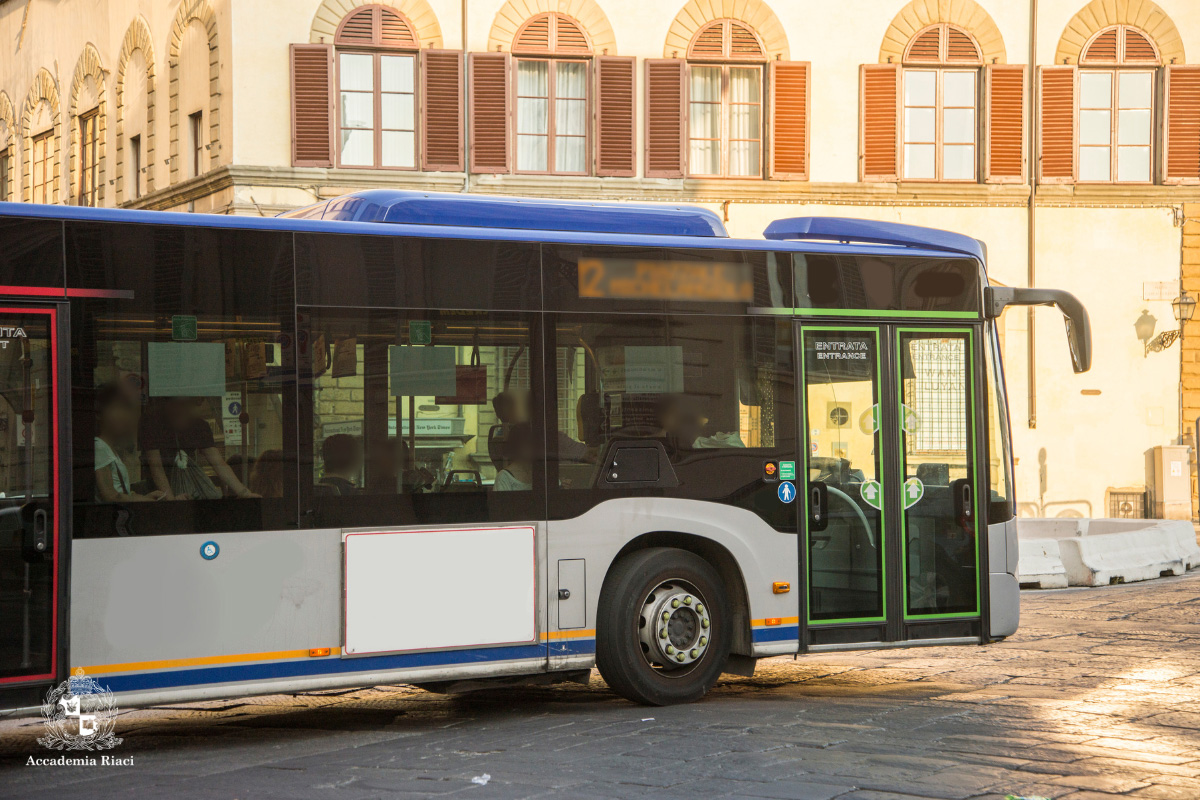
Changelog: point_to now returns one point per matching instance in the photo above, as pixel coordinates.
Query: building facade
(1064, 133)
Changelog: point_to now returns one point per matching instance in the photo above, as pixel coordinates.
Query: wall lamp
(1182, 307)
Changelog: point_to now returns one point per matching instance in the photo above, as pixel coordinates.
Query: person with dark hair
(343, 456)
(517, 476)
(266, 477)
(116, 422)
(175, 436)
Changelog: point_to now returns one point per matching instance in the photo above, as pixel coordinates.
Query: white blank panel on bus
(419, 590)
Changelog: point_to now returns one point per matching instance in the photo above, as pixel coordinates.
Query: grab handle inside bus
(1079, 329)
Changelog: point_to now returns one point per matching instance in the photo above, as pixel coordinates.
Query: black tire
(630, 667)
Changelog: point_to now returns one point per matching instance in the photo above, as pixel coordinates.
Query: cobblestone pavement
(1096, 697)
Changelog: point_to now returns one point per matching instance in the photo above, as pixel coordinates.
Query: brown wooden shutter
(1005, 87)
(441, 110)
(491, 112)
(312, 105)
(665, 108)
(1056, 131)
(789, 87)
(1182, 125)
(877, 125)
(615, 127)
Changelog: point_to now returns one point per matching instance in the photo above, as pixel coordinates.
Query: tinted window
(32, 252)
(686, 406)
(401, 272)
(420, 417)
(183, 380)
(657, 280)
(885, 283)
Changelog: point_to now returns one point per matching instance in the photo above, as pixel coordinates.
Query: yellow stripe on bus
(762, 623)
(137, 666)
(579, 634)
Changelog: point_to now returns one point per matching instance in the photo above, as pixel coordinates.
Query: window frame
(5, 171)
(377, 129)
(45, 142)
(725, 117)
(135, 164)
(89, 158)
(551, 134)
(196, 132)
(1113, 108)
(939, 110)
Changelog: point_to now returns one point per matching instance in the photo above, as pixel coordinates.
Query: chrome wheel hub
(675, 627)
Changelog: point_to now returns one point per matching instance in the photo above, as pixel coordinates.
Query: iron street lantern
(1183, 307)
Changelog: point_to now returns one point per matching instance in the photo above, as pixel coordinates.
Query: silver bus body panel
(163, 624)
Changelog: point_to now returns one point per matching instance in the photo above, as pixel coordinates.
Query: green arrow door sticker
(872, 493)
(910, 421)
(913, 490)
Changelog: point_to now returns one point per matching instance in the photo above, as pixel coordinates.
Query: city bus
(459, 441)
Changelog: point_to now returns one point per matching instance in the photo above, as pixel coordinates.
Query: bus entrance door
(888, 499)
(31, 507)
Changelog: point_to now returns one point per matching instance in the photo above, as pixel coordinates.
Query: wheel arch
(721, 559)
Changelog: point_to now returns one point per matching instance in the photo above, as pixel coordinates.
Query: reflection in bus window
(420, 416)
(184, 380)
(713, 395)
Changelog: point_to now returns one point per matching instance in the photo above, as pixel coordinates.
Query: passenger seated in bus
(116, 423)
(266, 479)
(242, 467)
(683, 422)
(386, 473)
(518, 475)
(513, 407)
(343, 459)
(174, 437)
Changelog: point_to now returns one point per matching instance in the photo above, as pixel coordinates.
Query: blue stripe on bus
(302, 668)
(777, 634)
(317, 666)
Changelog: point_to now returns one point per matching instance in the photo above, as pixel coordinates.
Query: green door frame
(894, 584)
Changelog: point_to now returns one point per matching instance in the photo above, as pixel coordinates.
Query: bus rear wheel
(662, 627)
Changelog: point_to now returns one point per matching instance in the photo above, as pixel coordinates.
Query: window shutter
(665, 109)
(441, 110)
(1056, 135)
(1005, 86)
(1182, 125)
(312, 105)
(789, 87)
(877, 126)
(615, 126)
(491, 115)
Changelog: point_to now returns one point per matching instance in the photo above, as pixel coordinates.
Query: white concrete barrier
(1097, 552)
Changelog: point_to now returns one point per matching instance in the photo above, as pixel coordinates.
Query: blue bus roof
(461, 216)
(514, 213)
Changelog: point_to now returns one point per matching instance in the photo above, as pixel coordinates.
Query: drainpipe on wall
(466, 187)
(1031, 235)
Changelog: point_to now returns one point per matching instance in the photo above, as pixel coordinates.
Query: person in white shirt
(517, 476)
(116, 422)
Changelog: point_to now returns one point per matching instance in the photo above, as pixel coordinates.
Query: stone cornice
(326, 183)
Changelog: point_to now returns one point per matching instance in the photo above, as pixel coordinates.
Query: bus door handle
(964, 504)
(818, 506)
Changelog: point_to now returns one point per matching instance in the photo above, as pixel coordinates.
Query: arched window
(553, 55)
(725, 85)
(376, 50)
(1116, 106)
(940, 90)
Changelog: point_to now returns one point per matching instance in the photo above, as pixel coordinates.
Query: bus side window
(717, 393)
(420, 417)
(183, 380)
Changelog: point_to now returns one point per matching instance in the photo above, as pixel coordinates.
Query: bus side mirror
(1079, 328)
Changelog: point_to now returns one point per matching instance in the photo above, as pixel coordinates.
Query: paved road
(1096, 697)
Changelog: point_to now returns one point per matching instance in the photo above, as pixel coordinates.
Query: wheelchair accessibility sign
(786, 491)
